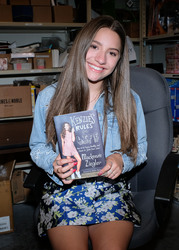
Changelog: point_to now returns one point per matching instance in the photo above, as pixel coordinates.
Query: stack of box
(38, 11)
(26, 61)
(172, 59)
(34, 11)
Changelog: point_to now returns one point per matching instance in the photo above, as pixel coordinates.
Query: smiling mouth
(95, 67)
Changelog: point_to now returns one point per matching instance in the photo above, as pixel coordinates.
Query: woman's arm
(142, 139)
(42, 153)
(73, 135)
(119, 162)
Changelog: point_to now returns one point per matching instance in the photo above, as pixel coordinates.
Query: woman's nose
(101, 57)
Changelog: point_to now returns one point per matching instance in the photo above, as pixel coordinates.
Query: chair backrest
(153, 90)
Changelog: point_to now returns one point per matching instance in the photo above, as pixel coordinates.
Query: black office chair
(152, 183)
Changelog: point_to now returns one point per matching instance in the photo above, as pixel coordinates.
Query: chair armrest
(34, 178)
(35, 181)
(165, 187)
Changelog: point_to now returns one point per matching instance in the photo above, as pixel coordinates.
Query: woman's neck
(94, 93)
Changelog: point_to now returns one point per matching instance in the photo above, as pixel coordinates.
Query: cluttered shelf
(163, 38)
(31, 72)
(171, 76)
(28, 26)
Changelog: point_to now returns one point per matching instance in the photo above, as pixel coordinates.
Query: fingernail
(75, 163)
(74, 170)
(99, 174)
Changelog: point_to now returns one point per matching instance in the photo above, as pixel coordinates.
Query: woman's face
(67, 126)
(103, 55)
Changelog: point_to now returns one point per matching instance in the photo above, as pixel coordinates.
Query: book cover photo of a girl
(68, 147)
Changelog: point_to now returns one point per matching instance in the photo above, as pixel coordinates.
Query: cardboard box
(41, 2)
(5, 13)
(62, 14)
(20, 2)
(19, 193)
(15, 101)
(22, 63)
(6, 211)
(42, 14)
(46, 56)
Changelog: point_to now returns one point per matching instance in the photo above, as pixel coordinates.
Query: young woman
(68, 147)
(96, 76)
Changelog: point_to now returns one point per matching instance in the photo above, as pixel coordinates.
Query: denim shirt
(43, 154)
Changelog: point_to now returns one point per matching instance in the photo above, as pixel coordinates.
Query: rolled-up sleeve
(42, 153)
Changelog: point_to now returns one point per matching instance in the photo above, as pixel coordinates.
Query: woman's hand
(113, 167)
(66, 171)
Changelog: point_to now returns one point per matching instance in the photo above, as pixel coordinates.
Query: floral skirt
(85, 203)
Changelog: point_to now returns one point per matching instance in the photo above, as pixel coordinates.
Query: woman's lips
(95, 67)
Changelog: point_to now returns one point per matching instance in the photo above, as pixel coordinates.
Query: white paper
(4, 224)
(55, 58)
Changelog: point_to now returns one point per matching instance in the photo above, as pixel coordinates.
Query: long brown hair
(72, 91)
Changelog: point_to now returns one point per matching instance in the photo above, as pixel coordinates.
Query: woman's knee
(69, 238)
(114, 235)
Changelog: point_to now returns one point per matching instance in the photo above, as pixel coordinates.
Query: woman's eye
(113, 54)
(93, 46)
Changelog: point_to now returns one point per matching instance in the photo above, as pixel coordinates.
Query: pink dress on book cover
(69, 148)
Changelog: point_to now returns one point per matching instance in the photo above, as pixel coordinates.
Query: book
(79, 136)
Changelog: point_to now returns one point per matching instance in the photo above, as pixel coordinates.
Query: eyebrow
(109, 48)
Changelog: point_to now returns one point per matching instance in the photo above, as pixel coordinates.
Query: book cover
(79, 136)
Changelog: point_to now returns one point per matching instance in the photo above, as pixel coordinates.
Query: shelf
(135, 40)
(15, 118)
(15, 27)
(162, 38)
(9, 73)
(171, 76)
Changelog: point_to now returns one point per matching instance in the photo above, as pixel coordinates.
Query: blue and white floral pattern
(85, 204)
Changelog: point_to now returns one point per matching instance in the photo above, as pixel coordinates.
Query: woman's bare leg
(114, 235)
(69, 237)
(78, 158)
